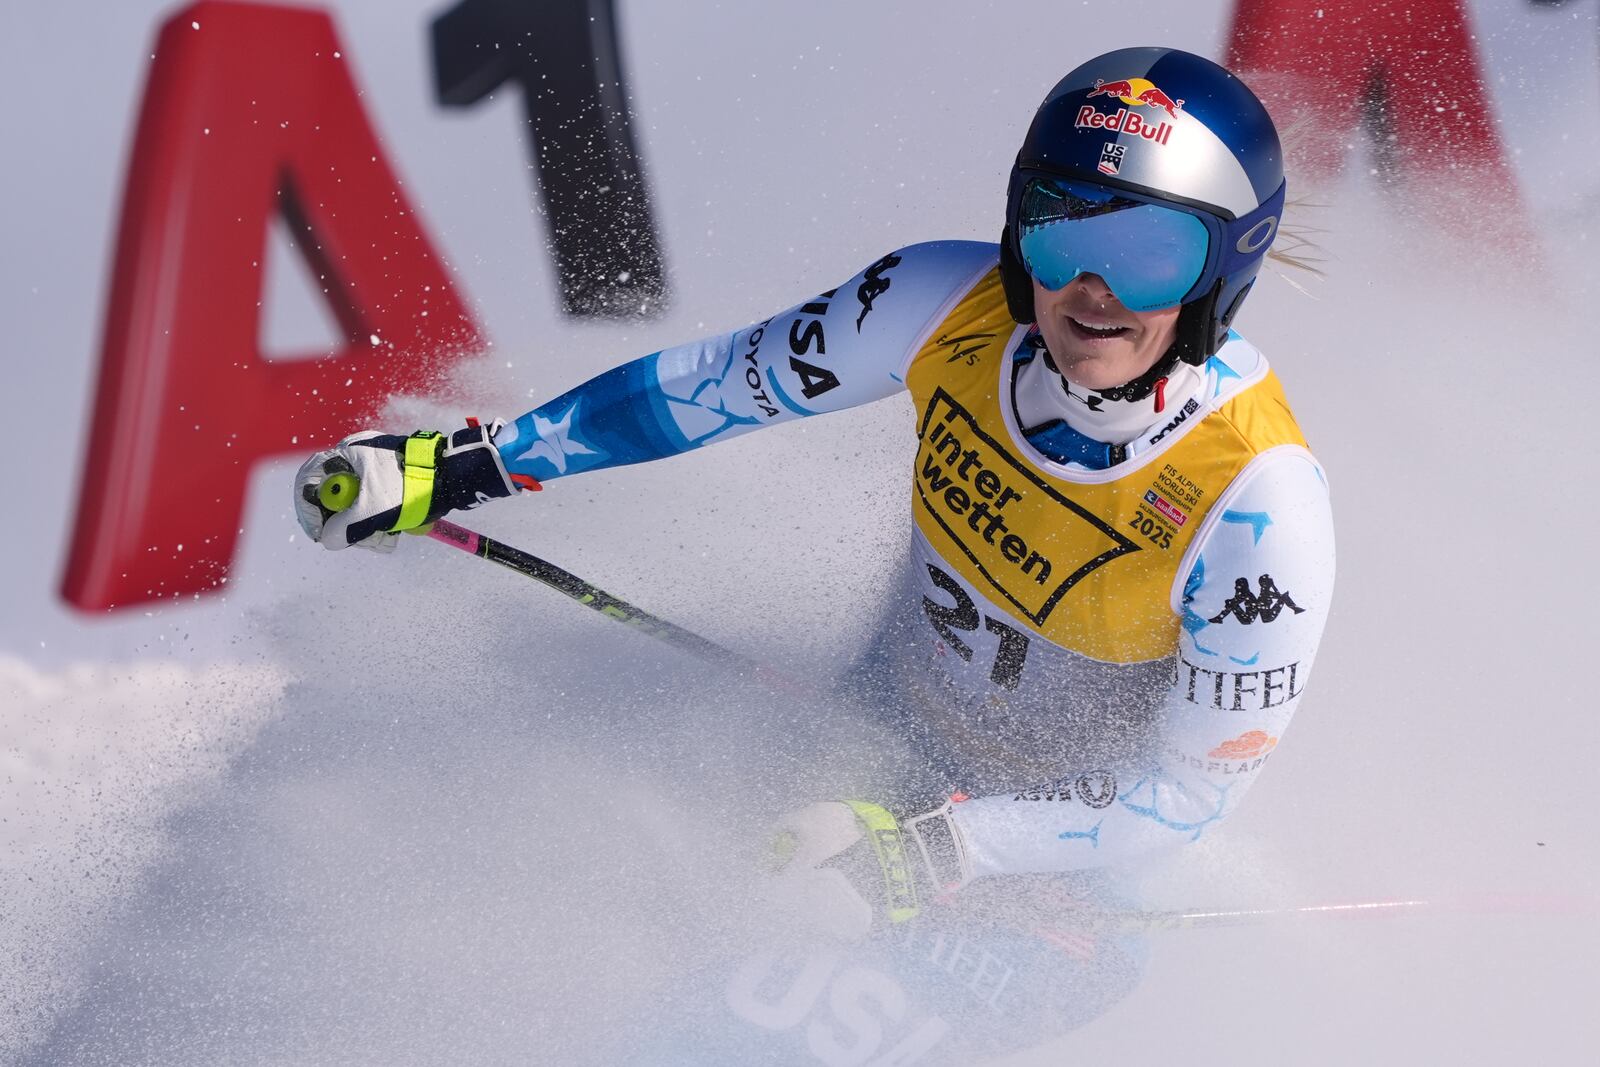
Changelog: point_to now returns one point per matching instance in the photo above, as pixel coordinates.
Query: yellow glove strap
(422, 457)
(900, 888)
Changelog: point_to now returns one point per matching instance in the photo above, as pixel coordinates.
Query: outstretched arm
(845, 347)
(841, 348)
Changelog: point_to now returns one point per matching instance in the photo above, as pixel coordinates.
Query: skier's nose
(1095, 287)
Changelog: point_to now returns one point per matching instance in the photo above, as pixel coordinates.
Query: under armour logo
(1088, 400)
(1265, 605)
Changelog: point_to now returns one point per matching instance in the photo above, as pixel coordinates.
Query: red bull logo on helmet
(1134, 92)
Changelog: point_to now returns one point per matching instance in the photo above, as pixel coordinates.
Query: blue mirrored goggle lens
(1150, 256)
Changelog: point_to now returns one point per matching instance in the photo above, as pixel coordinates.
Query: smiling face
(1095, 341)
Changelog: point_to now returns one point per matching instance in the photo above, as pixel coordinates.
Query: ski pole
(1477, 904)
(338, 491)
(570, 585)
(587, 594)
(1190, 920)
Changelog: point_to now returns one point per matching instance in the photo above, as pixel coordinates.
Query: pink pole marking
(446, 532)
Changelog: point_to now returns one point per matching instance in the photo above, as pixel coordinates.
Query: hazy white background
(249, 830)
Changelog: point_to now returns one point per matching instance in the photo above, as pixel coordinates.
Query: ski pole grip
(338, 491)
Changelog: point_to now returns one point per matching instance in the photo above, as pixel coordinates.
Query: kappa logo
(875, 285)
(1265, 605)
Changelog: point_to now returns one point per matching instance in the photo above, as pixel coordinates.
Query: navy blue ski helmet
(1157, 170)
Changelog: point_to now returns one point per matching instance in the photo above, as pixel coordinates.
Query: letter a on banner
(1409, 70)
(250, 109)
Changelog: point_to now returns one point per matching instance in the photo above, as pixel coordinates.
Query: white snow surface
(262, 829)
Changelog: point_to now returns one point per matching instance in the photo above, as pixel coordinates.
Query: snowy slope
(253, 831)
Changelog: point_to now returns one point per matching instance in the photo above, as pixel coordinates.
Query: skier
(1122, 555)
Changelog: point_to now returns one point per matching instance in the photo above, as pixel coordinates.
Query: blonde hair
(1295, 244)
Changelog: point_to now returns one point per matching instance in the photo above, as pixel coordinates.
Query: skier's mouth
(1090, 330)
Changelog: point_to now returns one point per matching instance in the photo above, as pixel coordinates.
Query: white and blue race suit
(1099, 646)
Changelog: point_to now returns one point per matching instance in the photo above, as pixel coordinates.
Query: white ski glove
(847, 867)
(372, 485)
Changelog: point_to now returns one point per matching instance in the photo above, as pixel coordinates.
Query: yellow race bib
(1088, 560)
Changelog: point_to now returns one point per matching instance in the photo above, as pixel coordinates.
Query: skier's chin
(1098, 364)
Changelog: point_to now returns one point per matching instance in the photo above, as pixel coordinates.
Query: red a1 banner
(250, 110)
(1408, 71)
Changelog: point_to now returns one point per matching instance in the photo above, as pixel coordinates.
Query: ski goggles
(1152, 255)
